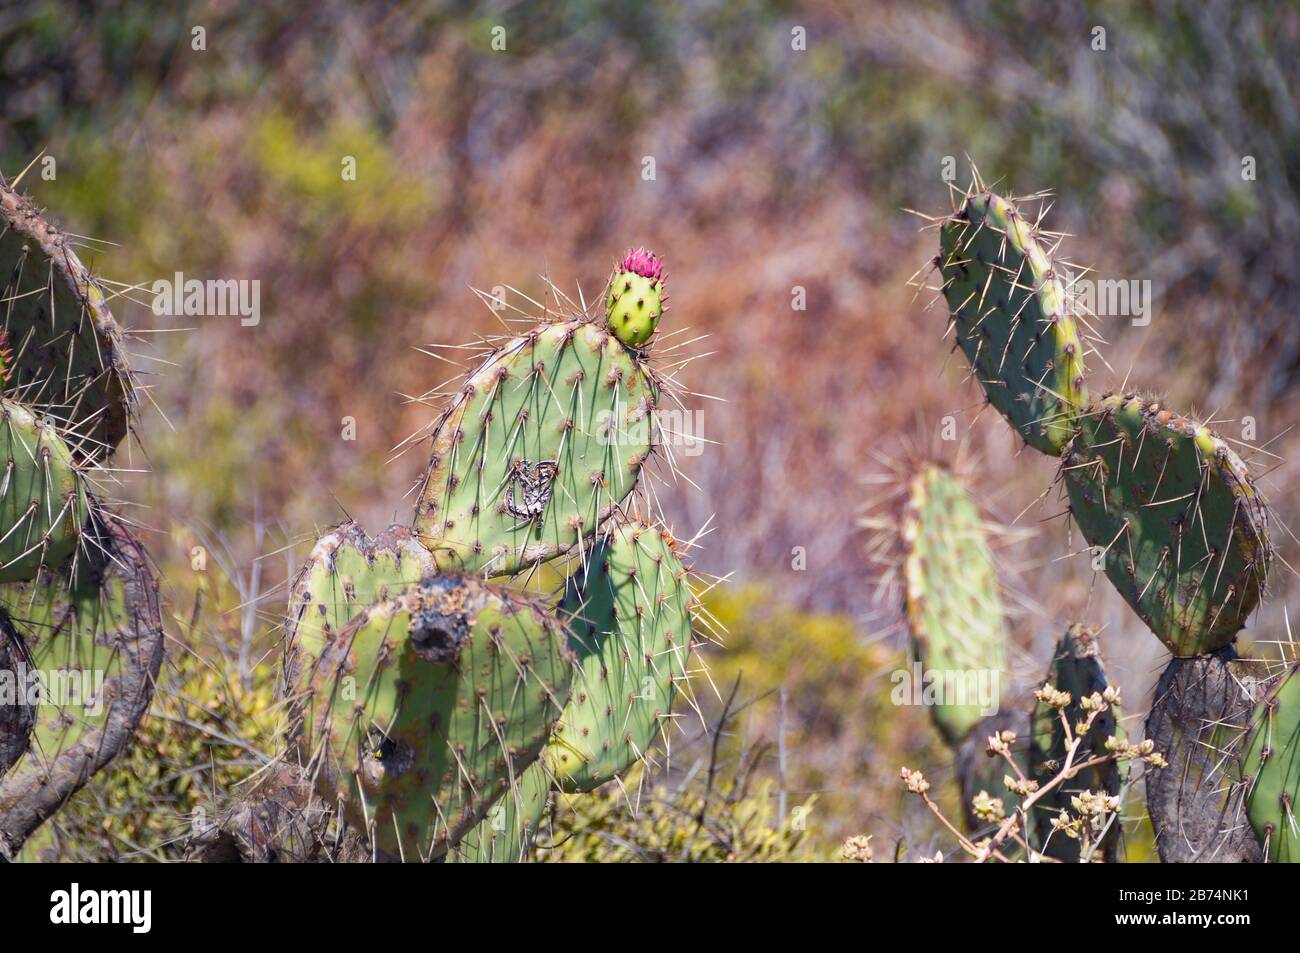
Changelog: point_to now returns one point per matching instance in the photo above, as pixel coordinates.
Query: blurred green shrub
(665, 825)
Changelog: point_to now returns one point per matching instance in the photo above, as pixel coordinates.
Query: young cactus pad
(635, 300)
(1009, 313)
(68, 360)
(42, 495)
(629, 616)
(431, 705)
(1182, 527)
(1199, 716)
(952, 600)
(1272, 770)
(1077, 669)
(544, 440)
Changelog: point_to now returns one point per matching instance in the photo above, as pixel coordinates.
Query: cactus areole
(635, 300)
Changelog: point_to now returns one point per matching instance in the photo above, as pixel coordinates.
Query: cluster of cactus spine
(435, 709)
(1169, 506)
(79, 607)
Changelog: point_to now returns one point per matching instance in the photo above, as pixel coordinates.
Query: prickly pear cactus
(77, 593)
(1077, 669)
(1009, 312)
(1199, 717)
(952, 601)
(1272, 770)
(545, 439)
(1183, 528)
(67, 357)
(421, 696)
(629, 618)
(42, 495)
(635, 300)
(507, 833)
(429, 706)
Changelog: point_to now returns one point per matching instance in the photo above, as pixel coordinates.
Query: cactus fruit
(1184, 530)
(544, 440)
(1199, 717)
(506, 834)
(429, 706)
(1077, 669)
(635, 300)
(952, 600)
(42, 495)
(1272, 770)
(67, 354)
(1011, 320)
(629, 616)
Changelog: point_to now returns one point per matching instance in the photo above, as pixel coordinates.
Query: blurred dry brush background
(776, 168)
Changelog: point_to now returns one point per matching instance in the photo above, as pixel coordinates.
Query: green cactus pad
(1076, 668)
(506, 834)
(346, 573)
(73, 620)
(1272, 770)
(629, 616)
(1011, 321)
(95, 635)
(429, 706)
(67, 359)
(952, 600)
(546, 437)
(42, 496)
(1199, 717)
(1184, 530)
